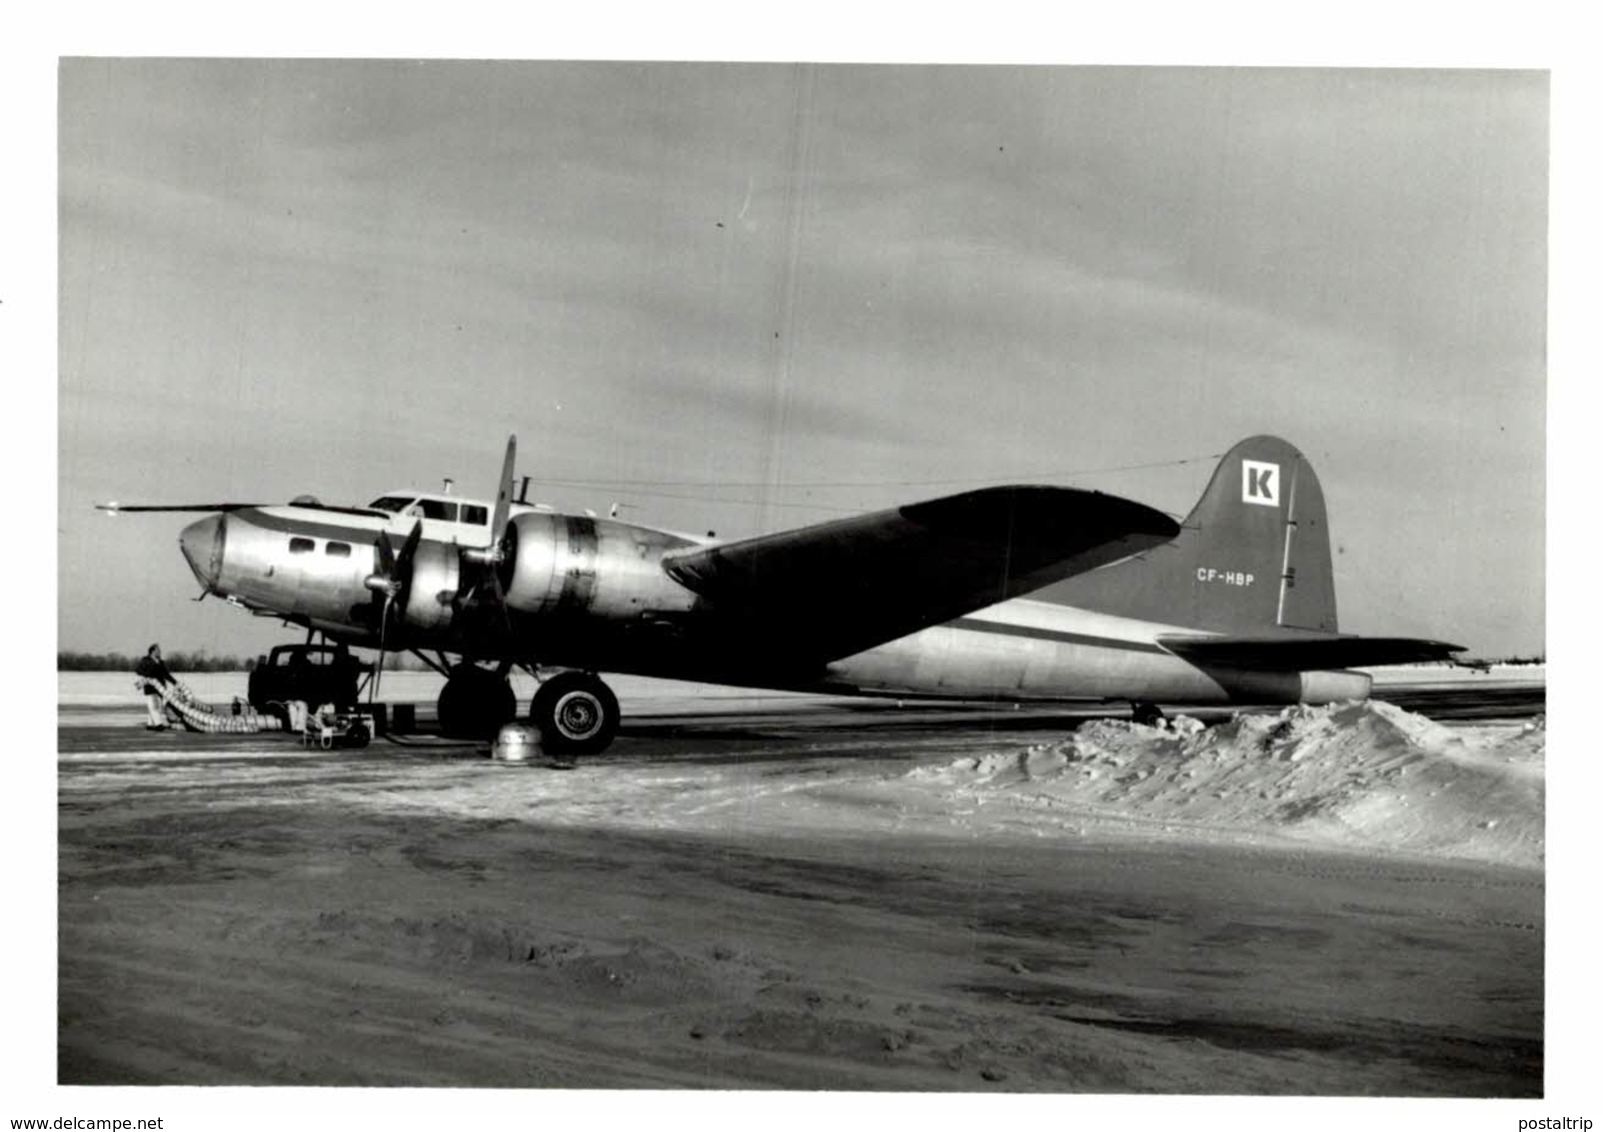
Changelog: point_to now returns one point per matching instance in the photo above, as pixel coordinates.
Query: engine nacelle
(436, 582)
(574, 564)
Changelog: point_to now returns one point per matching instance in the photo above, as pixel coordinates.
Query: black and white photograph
(799, 577)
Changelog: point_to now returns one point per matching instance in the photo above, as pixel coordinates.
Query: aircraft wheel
(475, 703)
(576, 713)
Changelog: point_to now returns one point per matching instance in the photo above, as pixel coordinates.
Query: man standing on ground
(156, 677)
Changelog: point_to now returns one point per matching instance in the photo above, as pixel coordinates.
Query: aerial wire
(807, 485)
(644, 487)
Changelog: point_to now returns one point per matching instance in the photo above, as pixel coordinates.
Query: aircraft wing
(117, 508)
(831, 590)
(1306, 653)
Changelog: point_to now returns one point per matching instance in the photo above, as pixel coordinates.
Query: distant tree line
(177, 660)
(69, 660)
(1500, 662)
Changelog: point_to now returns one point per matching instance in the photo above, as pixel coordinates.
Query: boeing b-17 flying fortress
(1005, 635)
(1122, 670)
(1019, 593)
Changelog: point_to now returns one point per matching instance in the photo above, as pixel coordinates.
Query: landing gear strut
(475, 703)
(576, 713)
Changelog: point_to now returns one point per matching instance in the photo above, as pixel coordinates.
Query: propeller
(394, 576)
(393, 579)
(495, 554)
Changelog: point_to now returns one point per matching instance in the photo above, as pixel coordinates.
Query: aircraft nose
(202, 544)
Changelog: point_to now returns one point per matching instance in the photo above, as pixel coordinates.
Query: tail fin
(1252, 557)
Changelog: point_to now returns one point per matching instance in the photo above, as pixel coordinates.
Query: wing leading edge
(118, 508)
(834, 589)
(1307, 653)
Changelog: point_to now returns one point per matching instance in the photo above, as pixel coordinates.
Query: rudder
(1252, 557)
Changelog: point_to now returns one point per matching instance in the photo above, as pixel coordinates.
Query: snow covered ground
(754, 889)
(1361, 775)
(637, 694)
(100, 689)
(1367, 776)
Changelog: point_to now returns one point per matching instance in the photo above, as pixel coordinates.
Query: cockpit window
(391, 503)
(473, 513)
(438, 509)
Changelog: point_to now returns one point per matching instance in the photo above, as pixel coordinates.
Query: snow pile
(1359, 774)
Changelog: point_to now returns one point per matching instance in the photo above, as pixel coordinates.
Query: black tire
(475, 703)
(358, 735)
(576, 713)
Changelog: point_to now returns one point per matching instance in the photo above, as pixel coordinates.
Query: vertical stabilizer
(1253, 557)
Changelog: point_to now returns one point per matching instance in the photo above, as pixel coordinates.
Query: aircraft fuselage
(1015, 592)
(591, 593)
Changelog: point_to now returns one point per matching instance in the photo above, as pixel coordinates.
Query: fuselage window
(438, 509)
(339, 549)
(476, 515)
(301, 546)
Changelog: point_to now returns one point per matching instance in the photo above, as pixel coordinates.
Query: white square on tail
(1260, 483)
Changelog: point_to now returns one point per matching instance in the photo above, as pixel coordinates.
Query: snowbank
(1363, 774)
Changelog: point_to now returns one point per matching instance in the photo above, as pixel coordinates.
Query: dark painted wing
(1306, 654)
(828, 591)
(119, 507)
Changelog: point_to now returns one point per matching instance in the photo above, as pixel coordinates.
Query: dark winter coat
(154, 672)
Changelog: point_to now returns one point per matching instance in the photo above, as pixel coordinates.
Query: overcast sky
(751, 297)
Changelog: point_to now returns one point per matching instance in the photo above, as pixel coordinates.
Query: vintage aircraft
(1236, 604)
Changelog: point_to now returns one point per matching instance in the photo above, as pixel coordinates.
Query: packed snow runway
(751, 890)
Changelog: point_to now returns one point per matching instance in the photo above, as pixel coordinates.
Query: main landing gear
(575, 712)
(475, 702)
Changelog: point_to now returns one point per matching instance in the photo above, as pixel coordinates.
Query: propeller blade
(378, 668)
(501, 603)
(503, 497)
(396, 572)
(401, 568)
(386, 555)
(496, 551)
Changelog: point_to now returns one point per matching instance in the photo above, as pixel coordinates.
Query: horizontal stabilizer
(827, 591)
(1306, 653)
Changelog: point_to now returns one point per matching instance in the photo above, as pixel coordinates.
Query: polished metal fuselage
(592, 593)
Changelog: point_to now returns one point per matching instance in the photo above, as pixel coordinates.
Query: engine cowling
(436, 582)
(552, 563)
(572, 564)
